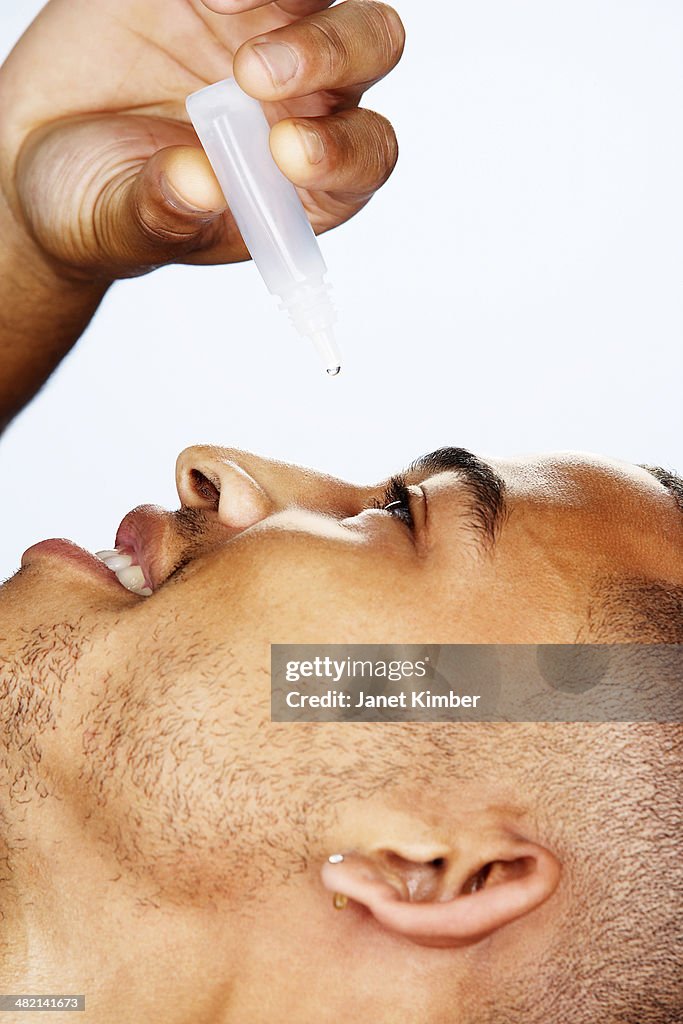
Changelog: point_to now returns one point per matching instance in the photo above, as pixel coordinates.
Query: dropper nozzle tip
(323, 339)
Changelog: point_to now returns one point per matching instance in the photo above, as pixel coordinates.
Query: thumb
(115, 197)
(168, 210)
(189, 178)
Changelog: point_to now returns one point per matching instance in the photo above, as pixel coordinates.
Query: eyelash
(398, 496)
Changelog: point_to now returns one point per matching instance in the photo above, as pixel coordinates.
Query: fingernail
(281, 61)
(175, 198)
(192, 195)
(312, 143)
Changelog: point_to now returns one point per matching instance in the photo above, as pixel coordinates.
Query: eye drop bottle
(235, 134)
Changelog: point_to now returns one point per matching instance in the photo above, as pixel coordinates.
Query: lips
(68, 551)
(150, 547)
(147, 534)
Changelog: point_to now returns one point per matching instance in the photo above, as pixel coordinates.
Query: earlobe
(445, 910)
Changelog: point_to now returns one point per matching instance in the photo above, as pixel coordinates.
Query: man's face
(148, 717)
(459, 551)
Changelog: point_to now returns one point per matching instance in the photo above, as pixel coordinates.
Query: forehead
(560, 476)
(609, 489)
(587, 507)
(578, 478)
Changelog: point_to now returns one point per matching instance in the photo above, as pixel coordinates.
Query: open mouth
(148, 550)
(145, 551)
(129, 573)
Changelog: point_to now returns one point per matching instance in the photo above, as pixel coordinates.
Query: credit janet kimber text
(412, 699)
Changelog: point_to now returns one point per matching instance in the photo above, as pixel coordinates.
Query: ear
(439, 902)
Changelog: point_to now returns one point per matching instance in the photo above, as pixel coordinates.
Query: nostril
(204, 488)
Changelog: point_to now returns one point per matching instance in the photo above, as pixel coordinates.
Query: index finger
(355, 43)
(299, 8)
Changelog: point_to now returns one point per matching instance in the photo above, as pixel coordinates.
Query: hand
(100, 165)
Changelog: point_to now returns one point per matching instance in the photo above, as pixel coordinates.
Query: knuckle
(148, 217)
(385, 27)
(364, 150)
(347, 36)
(331, 47)
(384, 146)
(156, 229)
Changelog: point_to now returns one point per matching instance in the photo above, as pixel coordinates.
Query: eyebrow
(488, 506)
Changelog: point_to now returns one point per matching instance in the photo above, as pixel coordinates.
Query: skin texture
(138, 733)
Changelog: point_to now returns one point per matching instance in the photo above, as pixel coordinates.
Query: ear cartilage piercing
(339, 900)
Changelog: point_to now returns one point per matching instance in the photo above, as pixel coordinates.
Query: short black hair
(672, 481)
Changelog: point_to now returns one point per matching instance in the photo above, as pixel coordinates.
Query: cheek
(356, 589)
(284, 586)
(167, 757)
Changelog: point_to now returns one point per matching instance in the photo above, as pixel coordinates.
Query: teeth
(132, 577)
(115, 561)
(128, 573)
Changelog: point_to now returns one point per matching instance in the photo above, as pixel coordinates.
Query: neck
(81, 922)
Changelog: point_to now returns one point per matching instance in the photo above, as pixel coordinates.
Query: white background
(516, 287)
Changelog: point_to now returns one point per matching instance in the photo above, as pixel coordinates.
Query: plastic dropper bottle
(235, 135)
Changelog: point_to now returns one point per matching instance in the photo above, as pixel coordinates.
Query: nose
(244, 488)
